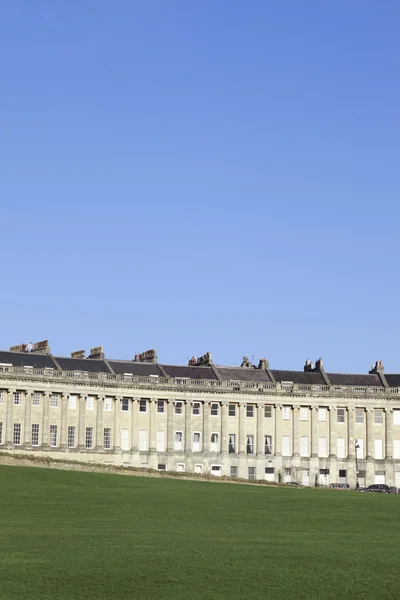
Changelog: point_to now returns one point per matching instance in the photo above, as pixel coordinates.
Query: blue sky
(202, 176)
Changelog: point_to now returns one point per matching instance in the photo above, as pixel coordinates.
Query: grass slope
(71, 535)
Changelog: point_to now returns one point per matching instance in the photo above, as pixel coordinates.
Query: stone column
(28, 419)
(370, 432)
(206, 427)
(296, 438)
(314, 432)
(278, 429)
(99, 423)
(82, 421)
(260, 430)
(10, 411)
(45, 422)
(170, 426)
(117, 423)
(224, 428)
(389, 433)
(64, 421)
(135, 425)
(332, 432)
(242, 433)
(188, 428)
(351, 416)
(152, 432)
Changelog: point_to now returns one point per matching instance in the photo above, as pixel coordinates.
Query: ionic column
(99, 422)
(152, 432)
(332, 432)
(314, 431)
(206, 426)
(188, 428)
(278, 429)
(10, 411)
(45, 421)
(64, 428)
(370, 432)
(81, 422)
(28, 419)
(296, 439)
(389, 433)
(242, 435)
(260, 430)
(224, 428)
(170, 426)
(351, 416)
(135, 425)
(117, 423)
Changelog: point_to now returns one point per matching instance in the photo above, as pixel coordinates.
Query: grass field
(71, 535)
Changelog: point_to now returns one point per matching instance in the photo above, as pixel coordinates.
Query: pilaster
(242, 436)
(296, 438)
(332, 432)
(28, 419)
(260, 430)
(278, 429)
(389, 433)
(99, 423)
(314, 432)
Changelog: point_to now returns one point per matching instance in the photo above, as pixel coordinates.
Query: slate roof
(393, 379)
(361, 380)
(189, 371)
(24, 359)
(308, 377)
(135, 368)
(82, 364)
(243, 374)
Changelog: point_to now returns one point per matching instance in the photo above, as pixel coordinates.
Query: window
(285, 445)
(267, 411)
(378, 416)
(286, 410)
(304, 451)
(251, 472)
(54, 400)
(107, 438)
(17, 397)
(160, 444)
(1, 433)
(143, 440)
(360, 415)
(71, 436)
(89, 437)
(214, 409)
(303, 413)
(162, 467)
(379, 449)
(232, 410)
(35, 434)
(396, 416)
(17, 434)
(322, 450)
(322, 413)
(249, 410)
(1, 396)
(214, 442)
(396, 448)
(196, 408)
(53, 435)
(125, 445)
(341, 447)
(72, 402)
(107, 404)
(178, 408)
(180, 467)
(250, 444)
(125, 405)
(160, 406)
(340, 415)
(232, 443)
(196, 441)
(178, 440)
(267, 444)
(233, 471)
(142, 405)
(90, 403)
(342, 473)
(36, 399)
(269, 470)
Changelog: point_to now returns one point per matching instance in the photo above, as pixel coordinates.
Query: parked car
(380, 488)
(291, 483)
(340, 486)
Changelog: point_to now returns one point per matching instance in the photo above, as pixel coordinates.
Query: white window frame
(341, 415)
(35, 434)
(268, 445)
(196, 446)
(233, 471)
(304, 446)
(71, 436)
(143, 405)
(323, 447)
(251, 476)
(88, 438)
(72, 402)
(17, 430)
(231, 410)
(160, 406)
(125, 404)
(396, 416)
(360, 416)
(53, 435)
(268, 411)
(1, 396)
(214, 444)
(250, 411)
(286, 445)
(36, 396)
(378, 449)
(214, 409)
(196, 409)
(396, 449)
(232, 443)
(160, 440)
(143, 440)
(286, 412)
(341, 447)
(18, 398)
(378, 416)
(322, 414)
(250, 444)
(178, 407)
(108, 404)
(54, 400)
(179, 445)
(90, 403)
(1, 432)
(107, 438)
(304, 413)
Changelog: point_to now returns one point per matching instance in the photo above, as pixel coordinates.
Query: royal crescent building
(253, 422)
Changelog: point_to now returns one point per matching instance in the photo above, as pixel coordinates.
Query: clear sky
(201, 176)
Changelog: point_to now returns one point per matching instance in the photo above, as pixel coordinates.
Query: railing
(231, 386)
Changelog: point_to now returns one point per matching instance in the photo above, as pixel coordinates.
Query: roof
(305, 377)
(82, 364)
(243, 374)
(135, 368)
(189, 372)
(361, 380)
(393, 380)
(24, 359)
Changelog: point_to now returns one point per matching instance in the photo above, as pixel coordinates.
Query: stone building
(252, 422)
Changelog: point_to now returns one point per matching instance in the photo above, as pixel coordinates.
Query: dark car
(340, 486)
(380, 488)
(291, 483)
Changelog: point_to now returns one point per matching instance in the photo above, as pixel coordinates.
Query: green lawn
(74, 535)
